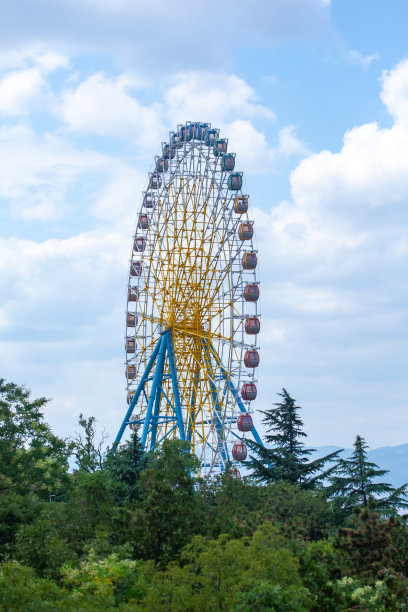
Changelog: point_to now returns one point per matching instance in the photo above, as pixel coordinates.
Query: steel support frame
(163, 347)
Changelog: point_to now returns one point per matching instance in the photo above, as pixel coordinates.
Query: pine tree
(124, 468)
(355, 481)
(288, 459)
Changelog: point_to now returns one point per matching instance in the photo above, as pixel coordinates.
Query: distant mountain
(392, 458)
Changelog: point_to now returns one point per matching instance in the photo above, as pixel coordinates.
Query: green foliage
(167, 514)
(32, 458)
(124, 467)
(239, 507)
(106, 582)
(88, 514)
(355, 480)
(132, 531)
(21, 590)
(287, 460)
(382, 596)
(231, 575)
(15, 510)
(369, 545)
(40, 546)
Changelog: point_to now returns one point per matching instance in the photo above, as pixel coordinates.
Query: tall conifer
(356, 480)
(288, 458)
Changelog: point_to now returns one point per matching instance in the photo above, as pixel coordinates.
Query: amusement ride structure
(192, 321)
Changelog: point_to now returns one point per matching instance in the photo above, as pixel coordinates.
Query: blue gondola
(185, 133)
(201, 129)
(168, 151)
(235, 181)
(210, 137)
(228, 162)
(220, 147)
(175, 141)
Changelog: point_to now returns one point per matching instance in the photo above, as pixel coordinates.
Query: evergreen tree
(355, 480)
(124, 468)
(288, 459)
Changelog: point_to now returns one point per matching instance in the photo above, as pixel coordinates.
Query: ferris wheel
(193, 320)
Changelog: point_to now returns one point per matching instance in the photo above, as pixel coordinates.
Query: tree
(355, 481)
(124, 468)
(256, 573)
(369, 544)
(88, 452)
(32, 458)
(166, 516)
(288, 459)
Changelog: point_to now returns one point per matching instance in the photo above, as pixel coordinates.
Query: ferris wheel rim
(165, 181)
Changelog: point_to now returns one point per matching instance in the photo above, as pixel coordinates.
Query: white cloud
(105, 106)
(362, 60)
(214, 97)
(21, 91)
(395, 92)
(23, 86)
(252, 149)
(38, 173)
(289, 143)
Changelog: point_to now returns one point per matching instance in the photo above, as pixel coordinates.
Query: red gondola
(132, 294)
(131, 371)
(251, 359)
(139, 244)
(248, 392)
(251, 292)
(239, 451)
(136, 268)
(131, 319)
(246, 231)
(143, 221)
(252, 325)
(249, 261)
(245, 422)
(131, 345)
(241, 205)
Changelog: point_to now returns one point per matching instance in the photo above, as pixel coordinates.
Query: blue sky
(313, 96)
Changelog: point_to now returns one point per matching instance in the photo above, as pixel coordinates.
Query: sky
(313, 97)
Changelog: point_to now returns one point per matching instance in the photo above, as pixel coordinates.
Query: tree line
(137, 531)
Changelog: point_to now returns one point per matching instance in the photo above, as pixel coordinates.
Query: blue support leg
(216, 405)
(191, 419)
(173, 374)
(159, 371)
(139, 389)
(156, 378)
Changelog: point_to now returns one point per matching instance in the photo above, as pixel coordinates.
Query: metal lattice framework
(186, 315)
